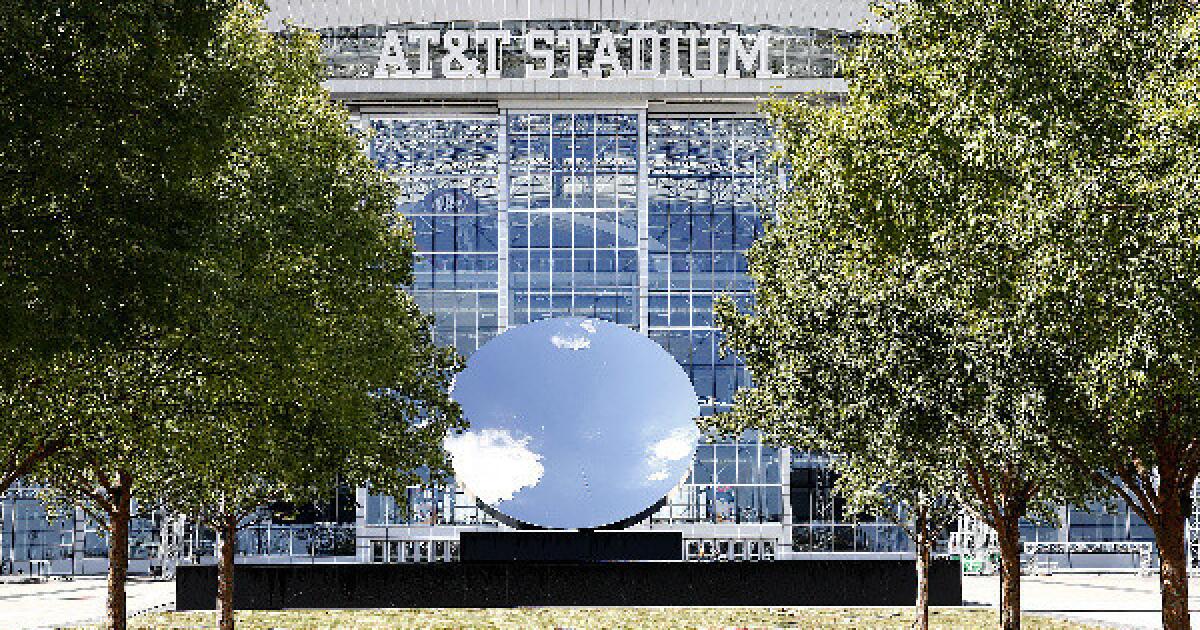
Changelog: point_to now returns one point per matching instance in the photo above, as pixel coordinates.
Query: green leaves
(110, 113)
(203, 272)
(983, 286)
(960, 232)
(325, 370)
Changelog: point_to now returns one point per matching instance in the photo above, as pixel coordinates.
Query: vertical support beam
(361, 543)
(1190, 527)
(502, 314)
(785, 482)
(643, 285)
(79, 541)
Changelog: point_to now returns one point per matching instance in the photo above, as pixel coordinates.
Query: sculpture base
(570, 546)
(511, 584)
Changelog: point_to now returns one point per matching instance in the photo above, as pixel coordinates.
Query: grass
(599, 618)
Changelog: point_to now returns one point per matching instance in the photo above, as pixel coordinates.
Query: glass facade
(571, 222)
(31, 533)
(425, 506)
(573, 216)
(731, 482)
(448, 171)
(820, 521)
(710, 180)
(638, 220)
(35, 539)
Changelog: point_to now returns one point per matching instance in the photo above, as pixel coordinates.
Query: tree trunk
(1172, 574)
(1009, 537)
(225, 574)
(118, 552)
(923, 544)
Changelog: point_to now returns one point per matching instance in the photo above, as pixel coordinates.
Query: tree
(862, 361)
(244, 278)
(313, 366)
(296, 359)
(117, 395)
(858, 370)
(109, 112)
(969, 136)
(914, 490)
(31, 435)
(233, 462)
(1080, 118)
(1128, 263)
(113, 113)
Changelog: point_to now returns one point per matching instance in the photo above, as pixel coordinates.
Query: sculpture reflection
(575, 423)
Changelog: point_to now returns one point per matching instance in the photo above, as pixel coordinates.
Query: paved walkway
(1111, 599)
(58, 603)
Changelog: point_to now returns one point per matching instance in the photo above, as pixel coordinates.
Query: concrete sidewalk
(62, 603)
(1118, 600)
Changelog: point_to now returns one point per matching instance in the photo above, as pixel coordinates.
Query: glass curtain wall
(820, 522)
(29, 532)
(426, 506)
(573, 216)
(736, 482)
(709, 179)
(448, 171)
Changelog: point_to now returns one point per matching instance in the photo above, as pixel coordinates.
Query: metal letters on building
(418, 53)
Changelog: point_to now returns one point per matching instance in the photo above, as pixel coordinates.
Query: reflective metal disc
(575, 423)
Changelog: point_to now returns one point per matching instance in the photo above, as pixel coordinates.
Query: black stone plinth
(570, 546)
(486, 585)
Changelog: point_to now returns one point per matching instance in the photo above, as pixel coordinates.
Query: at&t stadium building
(596, 158)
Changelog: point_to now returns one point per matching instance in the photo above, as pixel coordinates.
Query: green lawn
(599, 618)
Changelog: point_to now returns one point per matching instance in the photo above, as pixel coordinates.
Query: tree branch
(1140, 502)
(17, 469)
(983, 492)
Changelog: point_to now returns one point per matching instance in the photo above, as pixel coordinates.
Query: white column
(79, 541)
(6, 515)
(361, 542)
(643, 228)
(785, 481)
(502, 315)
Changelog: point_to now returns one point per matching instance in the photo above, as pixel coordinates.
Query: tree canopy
(112, 114)
(960, 231)
(313, 364)
(236, 331)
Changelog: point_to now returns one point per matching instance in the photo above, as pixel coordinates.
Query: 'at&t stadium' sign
(529, 51)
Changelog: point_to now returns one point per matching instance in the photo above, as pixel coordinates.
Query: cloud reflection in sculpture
(499, 464)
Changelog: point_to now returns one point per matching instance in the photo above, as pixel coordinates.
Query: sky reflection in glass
(575, 423)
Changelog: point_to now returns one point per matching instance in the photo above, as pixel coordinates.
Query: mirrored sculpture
(575, 424)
